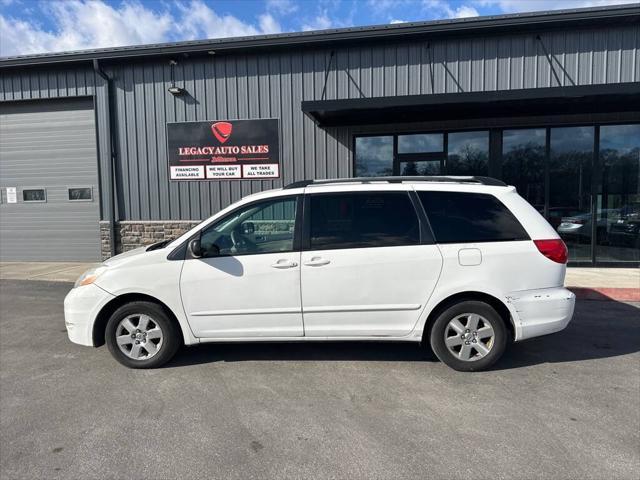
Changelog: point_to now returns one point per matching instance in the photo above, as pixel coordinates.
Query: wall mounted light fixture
(173, 89)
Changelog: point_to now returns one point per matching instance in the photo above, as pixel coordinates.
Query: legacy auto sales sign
(224, 150)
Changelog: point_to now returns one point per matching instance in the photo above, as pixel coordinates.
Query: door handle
(284, 264)
(317, 262)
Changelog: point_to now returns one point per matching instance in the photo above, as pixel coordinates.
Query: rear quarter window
(458, 217)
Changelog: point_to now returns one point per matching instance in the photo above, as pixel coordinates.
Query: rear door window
(458, 217)
(362, 220)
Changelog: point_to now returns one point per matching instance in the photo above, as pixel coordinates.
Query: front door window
(265, 227)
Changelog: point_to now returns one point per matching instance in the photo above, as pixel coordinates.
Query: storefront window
(374, 156)
(523, 155)
(618, 206)
(425, 167)
(421, 143)
(594, 206)
(468, 153)
(570, 171)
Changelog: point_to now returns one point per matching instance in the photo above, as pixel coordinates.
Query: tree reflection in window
(468, 153)
(523, 157)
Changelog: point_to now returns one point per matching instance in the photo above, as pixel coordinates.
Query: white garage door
(48, 181)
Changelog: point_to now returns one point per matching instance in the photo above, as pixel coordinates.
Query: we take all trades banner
(224, 150)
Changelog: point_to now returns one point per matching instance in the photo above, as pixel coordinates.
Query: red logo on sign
(222, 131)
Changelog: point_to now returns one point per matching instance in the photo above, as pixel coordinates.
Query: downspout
(113, 148)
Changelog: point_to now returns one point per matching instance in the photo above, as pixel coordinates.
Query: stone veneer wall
(134, 234)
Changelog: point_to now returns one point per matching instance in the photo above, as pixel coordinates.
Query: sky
(39, 26)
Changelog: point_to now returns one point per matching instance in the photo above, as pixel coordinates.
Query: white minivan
(462, 265)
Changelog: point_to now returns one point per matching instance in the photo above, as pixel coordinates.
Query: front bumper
(81, 307)
(541, 312)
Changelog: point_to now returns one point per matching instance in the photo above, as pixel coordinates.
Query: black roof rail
(399, 179)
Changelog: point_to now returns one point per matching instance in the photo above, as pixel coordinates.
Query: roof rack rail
(399, 179)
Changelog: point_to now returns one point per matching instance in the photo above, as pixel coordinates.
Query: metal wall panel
(50, 146)
(272, 84)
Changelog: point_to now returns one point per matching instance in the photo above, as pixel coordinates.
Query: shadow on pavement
(600, 329)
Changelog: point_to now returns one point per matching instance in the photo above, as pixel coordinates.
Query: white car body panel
(362, 294)
(367, 291)
(148, 273)
(81, 307)
(243, 296)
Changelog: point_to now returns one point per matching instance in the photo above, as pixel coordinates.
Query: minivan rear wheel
(141, 335)
(469, 336)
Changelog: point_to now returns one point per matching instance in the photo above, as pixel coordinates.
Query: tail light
(554, 249)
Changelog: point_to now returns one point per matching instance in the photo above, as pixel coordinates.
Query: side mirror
(248, 228)
(195, 249)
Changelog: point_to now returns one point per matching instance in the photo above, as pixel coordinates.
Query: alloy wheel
(469, 337)
(139, 337)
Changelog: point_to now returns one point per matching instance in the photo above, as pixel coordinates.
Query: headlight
(90, 276)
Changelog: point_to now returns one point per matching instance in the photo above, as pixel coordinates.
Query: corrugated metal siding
(273, 85)
(54, 150)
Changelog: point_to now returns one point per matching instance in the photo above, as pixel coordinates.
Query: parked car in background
(625, 231)
(462, 265)
(555, 215)
(579, 227)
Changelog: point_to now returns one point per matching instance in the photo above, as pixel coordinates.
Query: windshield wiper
(159, 245)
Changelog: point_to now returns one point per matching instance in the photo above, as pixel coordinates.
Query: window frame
(24, 189)
(441, 156)
(68, 188)
(424, 230)
(297, 229)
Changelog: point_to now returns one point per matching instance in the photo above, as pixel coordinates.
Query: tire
(463, 353)
(152, 345)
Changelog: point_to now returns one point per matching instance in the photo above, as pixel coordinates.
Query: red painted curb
(618, 294)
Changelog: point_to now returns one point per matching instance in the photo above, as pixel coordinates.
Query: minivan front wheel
(469, 336)
(141, 335)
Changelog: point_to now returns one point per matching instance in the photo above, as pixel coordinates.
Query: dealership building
(109, 149)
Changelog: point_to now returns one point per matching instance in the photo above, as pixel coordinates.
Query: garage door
(48, 182)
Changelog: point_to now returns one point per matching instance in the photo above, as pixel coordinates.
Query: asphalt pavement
(563, 406)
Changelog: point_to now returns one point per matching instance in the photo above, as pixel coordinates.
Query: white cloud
(198, 20)
(282, 7)
(396, 21)
(382, 7)
(84, 24)
(442, 9)
(465, 11)
(81, 24)
(321, 22)
(514, 6)
(268, 24)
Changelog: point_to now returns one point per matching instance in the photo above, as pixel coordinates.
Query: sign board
(224, 150)
(12, 195)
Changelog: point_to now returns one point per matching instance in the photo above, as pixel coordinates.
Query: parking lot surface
(563, 406)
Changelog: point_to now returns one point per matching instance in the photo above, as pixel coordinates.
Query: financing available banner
(224, 150)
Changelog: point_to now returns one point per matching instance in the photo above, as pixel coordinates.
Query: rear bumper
(81, 307)
(541, 312)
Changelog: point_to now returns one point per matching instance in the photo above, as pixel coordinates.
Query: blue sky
(37, 26)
